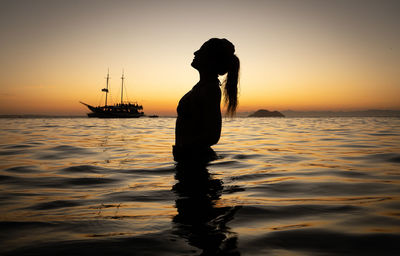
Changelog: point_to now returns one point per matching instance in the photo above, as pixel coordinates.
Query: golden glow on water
(87, 178)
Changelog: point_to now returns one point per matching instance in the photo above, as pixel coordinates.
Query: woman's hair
(231, 86)
(226, 62)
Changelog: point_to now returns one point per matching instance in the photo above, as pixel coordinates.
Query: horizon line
(382, 111)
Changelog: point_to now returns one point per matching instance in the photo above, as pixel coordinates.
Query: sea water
(281, 186)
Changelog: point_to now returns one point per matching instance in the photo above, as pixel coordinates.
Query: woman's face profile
(201, 57)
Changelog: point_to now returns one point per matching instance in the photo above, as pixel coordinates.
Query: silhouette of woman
(198, 125)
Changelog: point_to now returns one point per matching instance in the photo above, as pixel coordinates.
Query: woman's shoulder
(203, 92)
(210, 87)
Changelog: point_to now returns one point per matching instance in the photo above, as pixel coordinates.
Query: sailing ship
(119, 110)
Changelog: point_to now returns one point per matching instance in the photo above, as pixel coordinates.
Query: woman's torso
(199, 116)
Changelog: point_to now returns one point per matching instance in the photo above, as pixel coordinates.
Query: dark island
(266, 113)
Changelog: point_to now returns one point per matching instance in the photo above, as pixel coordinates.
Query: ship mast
(122, 87)
(106, 89)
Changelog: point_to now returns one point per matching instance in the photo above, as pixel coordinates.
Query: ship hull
(113, 115)
(118, 111)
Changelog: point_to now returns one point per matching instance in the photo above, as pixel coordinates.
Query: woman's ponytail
(222, 60)
(231, 85)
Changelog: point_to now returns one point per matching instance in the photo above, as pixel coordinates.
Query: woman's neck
(206, 77)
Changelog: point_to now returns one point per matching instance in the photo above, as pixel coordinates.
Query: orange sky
(300, 55)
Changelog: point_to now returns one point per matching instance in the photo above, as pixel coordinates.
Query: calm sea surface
(286, 186)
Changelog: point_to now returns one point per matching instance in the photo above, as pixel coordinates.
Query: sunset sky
(299, 55)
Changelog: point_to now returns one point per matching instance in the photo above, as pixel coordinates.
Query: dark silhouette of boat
(119, 110)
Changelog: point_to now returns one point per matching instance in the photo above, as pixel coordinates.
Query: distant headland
(266, 113)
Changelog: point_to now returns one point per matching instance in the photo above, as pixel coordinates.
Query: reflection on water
(199, 220)
(287, 186)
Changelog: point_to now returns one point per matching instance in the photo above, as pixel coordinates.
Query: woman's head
(217, 57)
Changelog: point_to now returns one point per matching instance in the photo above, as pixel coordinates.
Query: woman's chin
(194, 65)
